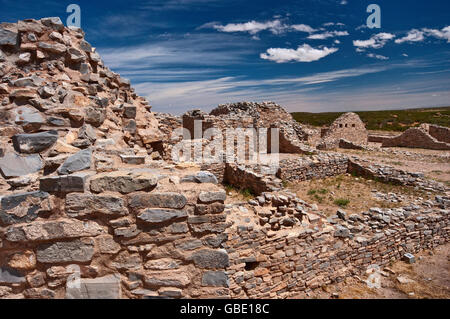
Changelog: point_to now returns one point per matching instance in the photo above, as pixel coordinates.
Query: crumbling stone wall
(441, 133)
(282, 264)
(417, 138)
(293, 138)
(312, 167)
(348, 127)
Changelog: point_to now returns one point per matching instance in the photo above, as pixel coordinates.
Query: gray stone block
(34, 143)
(13, 165)
(77, 162)
(215, 279)
(107, 287)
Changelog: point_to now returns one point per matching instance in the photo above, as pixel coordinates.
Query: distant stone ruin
(349, 128)
(293, 138)
(426, 136)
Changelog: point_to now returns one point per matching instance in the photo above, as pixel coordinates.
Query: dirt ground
(434, 164)
(332, 193)
(427, 278)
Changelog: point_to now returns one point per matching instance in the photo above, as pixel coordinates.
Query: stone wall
(312, 167)
(293, 137)
(287, 263)
(132, 235)
(441, 133)
(349, 127)
(416, 138)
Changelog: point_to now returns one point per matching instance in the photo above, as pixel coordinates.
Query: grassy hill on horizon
(391, 120)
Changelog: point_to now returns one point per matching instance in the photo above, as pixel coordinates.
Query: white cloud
(440, 34)
(405, 55)
(253, 27)
(303, 28)
(337, 41)
(413, 36)
(416, 35)
(304, 53)
(328, 34)
(344, 2)
(377, 56)
(377, 41)
(330, 24)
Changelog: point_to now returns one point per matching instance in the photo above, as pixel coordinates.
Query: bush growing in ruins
(342, 202)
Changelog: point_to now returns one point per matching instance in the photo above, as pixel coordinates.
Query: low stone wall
(267, 264)
(441, 133)
(416, 138)
(313, 167)
(377, 138)
(249, 178)
(387, 174)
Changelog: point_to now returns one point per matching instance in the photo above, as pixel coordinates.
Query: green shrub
(342, 202)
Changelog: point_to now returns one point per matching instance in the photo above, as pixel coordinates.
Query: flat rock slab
(210, 197)
(8, 38)
(23, 208)
(215, 279)
(200, 177)
(79, 250)
(155, 216)
(77, 162)
(86, 204)
(34, 143)
(133, 159)
(64, 184)
(13, 165)
(123, 182)
(55, 229)
(11, 276)
(210, 259)
(162, 200)
(107, 287)
(166, 279)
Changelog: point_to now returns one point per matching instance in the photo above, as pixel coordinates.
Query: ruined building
(349, 128)
(426, 136)
(87, 192)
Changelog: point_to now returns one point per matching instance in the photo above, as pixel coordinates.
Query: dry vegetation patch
(354, 194)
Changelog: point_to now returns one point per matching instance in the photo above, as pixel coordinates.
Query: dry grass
(332, 193)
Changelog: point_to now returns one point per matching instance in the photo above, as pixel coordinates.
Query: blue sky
(311, 55)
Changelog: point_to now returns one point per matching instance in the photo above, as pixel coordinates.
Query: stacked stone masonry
(87, 190)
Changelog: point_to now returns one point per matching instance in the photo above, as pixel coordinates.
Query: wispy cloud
(377, 56)
(252, 27)
(412, 36)
(303, 28)
(187, 51)
(377, 41)
(328, 34)
(304, 53)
